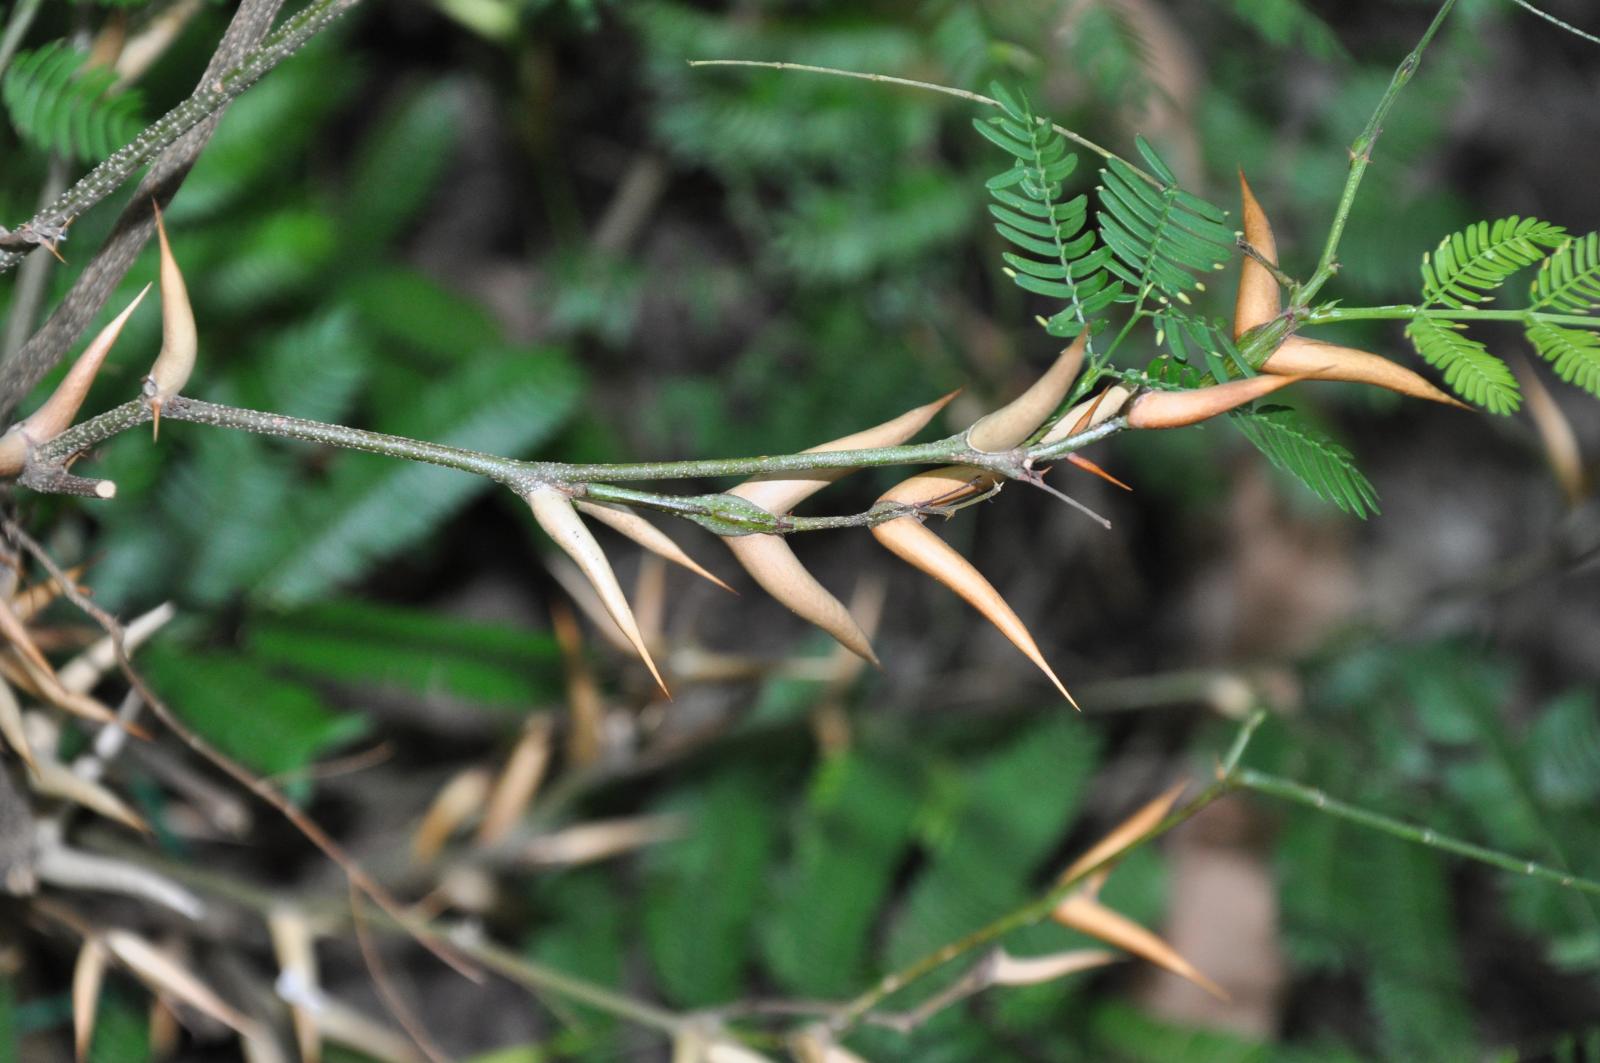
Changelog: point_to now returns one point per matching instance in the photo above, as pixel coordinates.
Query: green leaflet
(1569, 280)
(1161, 236)
(270, 724)
(1469, 369)
(815, 932)
(1301, 450)
(60, 106)
(400, 163)
(1469, 265)
(1006, 812)
(386, 646)
(1061, 260)
(703, 891)
(1573, 353)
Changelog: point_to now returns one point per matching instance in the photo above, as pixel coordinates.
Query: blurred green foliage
(819, 257)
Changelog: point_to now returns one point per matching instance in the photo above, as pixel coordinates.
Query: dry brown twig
(308, 827)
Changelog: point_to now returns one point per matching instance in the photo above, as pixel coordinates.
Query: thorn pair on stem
(169, 374)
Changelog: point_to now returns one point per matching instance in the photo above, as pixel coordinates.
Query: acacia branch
(1289, 790)
(46, 470)
(216, 91)
(171, 145)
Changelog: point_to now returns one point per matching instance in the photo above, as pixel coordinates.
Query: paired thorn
(179, 339)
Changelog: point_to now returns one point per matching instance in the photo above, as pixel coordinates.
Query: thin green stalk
(1575, 31)
(1288, 790)
(1039, 908)
(1406, 312)
(179, 408)
(46, 469)
(926, 86)
(1361, 157)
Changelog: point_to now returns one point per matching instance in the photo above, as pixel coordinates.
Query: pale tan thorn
(456, 802)
(179, 338)
(1006, 969)
(56, 413)
(1179, 409)
(555, 513)
(628, 523)
(942, 486)
(771, 562)
(32, 600)
(150, 42)
(1087, 915)
(519, 781)
(81, 674)
(294, 945)
(164, 974)
(816, 1045)
(1301, 355)
(1090, 467)
(1022, 416)
(781, 492)
(54, 779)
(1088, 413)
(14, 451)
(11, 726)
(87, 975)
(576, 584)
(589, 842)
(1125, 833)
(1259, 299)
(164, 1030)
(650, 600)
(14, 631)
(343, 1024)
(50, 689)
(909, 540)
(67, 869)
(586, 710)
(1561, 448)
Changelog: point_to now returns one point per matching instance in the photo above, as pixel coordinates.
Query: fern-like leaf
(1060, 260)
(1315, 459)
(59, 106)
(1573, 353)
(1469, 369)
(1197, 342)
(1469, 265)
(1161, 236)
(1569, 280)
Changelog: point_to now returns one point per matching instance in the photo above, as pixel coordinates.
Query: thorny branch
(171, 145)
(308, 827)
(47, 469)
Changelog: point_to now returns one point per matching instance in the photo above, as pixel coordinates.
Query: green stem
(1406, 312)
(926, 86)
(1361, 157)
(46, 469)
(1288, 790)
(137, 412)
(1040, 908)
